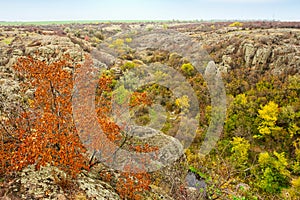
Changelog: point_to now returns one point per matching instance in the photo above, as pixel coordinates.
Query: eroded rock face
(277, 50)
(262, 55)
(49, 47)
(249, 52)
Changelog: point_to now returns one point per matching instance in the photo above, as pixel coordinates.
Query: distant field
(3, 23)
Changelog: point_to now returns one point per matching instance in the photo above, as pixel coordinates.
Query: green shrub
(188, 69)
(99, 35)
(127, 66)
(240, 148)
(275, 175)
(7, 40)
(118, 43)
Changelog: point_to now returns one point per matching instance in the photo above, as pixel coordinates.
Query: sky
(62, 10)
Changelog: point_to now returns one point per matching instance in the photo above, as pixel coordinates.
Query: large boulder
(51, 183)
(166, 179)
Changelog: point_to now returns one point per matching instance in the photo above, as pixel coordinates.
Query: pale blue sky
(50, 10)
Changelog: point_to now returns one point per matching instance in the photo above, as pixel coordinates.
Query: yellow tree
(268, 117)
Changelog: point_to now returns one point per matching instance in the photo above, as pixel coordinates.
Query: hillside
(227, 129)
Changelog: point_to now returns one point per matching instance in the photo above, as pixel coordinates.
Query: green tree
(241, 117)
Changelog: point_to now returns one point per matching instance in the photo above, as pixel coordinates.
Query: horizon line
(147, 20)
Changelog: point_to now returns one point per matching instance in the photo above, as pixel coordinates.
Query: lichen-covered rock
(169, 148)
(40, 184)
(96, 189)
(51, 183)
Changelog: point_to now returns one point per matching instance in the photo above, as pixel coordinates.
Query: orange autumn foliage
(44, 131)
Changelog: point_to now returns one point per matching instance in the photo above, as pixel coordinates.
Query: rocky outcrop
(277, 50)
(262, 56)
